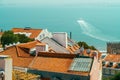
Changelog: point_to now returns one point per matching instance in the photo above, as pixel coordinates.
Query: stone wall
(113, 48)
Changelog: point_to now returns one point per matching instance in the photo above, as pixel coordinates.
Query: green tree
(23, 38)
(8, 38)
(116, 77)
(85, 45)
(92, 47)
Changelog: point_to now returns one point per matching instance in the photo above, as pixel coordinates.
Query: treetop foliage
(85, 45)
(9, 37)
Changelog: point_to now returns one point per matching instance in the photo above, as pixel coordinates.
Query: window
(112, 72)
(43, 35)
(40, 36)
(110, 64)
(107, 71)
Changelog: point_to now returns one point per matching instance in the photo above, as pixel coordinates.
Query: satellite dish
(88, 51)
(81, 49)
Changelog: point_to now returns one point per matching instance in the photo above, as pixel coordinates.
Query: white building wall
(41, 48)
(22, 69)
(8, 69)
(6, 66)
(25, 33)
(43, 34)
(33, 49)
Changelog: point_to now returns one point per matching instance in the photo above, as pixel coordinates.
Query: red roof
(112, 58)
(34, 32)
(17, 61)
(1, 33)
(45, 61)
(29, 45)
(55, 62)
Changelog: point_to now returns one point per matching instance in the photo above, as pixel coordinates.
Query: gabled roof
(58, 63)
(34, 32)
(22, 61)
(54, 45)
(29, 45)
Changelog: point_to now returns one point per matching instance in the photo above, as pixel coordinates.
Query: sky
(58, 2)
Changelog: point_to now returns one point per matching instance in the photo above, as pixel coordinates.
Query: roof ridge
(17, 51)
(32, 62)
(30, 28)
(56, 55)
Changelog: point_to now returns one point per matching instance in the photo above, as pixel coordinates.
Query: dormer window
(110, 64)
(40, 36)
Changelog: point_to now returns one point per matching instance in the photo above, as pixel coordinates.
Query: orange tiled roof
(59, 65)
(29, 45)
(72, 49)
(17, 61)
(35, 32)
(55, 63)
(112, 58)
(69, 49)
(1, 33)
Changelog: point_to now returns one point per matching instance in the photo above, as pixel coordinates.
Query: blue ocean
(94, 25)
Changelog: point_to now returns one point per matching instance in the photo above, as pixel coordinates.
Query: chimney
(41, 47)
(61, 37)
(6, 67)
(95, 54)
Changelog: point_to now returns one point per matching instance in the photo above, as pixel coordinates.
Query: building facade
(113, 48)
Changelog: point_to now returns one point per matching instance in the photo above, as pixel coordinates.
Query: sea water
(94, 25)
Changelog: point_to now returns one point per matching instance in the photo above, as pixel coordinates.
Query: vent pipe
(70, 35)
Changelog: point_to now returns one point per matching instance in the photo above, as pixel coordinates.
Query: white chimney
(61, 37)
(6, 66)
(41, 47)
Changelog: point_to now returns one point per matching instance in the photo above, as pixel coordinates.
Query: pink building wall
(96, 70)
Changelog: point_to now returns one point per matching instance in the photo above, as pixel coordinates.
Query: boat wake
(94, 32)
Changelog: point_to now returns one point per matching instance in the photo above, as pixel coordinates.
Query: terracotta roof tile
(1, 33)
(35, 32)
(23, 49)
(112, 58)
(22, 52)
(59, 65)
(29, 45)
(47, 62)
(41, 44)
(17, 61)
(72, 49)
(69, 49)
